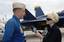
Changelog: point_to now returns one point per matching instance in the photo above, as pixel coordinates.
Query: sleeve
(9, 29)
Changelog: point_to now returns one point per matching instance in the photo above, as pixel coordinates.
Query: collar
(16, 18)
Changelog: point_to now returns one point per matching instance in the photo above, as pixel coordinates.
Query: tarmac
(30, 37)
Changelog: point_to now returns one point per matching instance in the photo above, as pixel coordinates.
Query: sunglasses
(49, 19)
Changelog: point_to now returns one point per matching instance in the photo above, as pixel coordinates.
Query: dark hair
(15, 9)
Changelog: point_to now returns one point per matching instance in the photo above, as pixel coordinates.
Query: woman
(53, 34)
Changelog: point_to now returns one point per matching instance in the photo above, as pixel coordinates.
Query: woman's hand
(38, 34)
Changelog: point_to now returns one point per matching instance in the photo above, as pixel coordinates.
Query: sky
(46, 5)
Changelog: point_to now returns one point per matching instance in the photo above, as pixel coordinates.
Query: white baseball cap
(18, 5)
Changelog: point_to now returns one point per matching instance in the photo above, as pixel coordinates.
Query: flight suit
(12, 31)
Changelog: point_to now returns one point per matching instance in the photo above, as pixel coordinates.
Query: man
(13, 31)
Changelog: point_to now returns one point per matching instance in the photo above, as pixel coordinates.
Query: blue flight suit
(12, 31)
